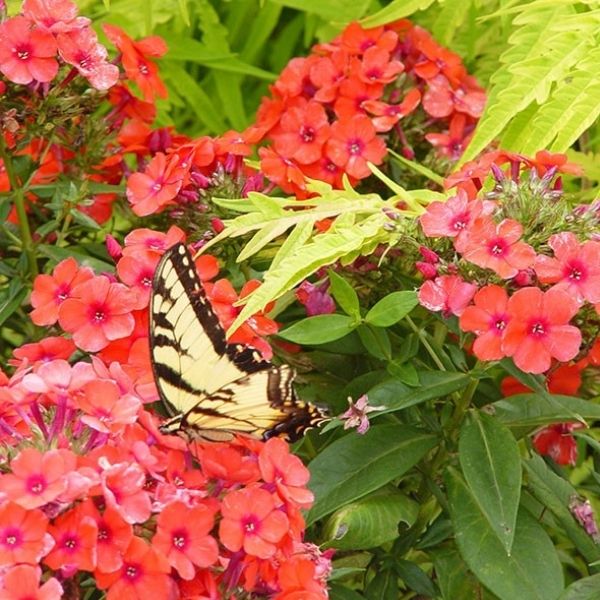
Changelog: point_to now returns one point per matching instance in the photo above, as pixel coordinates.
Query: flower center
(146, 281)
(99, 316)
(179, 539)
(143, 68)
(575, 271)
(307, 134)
(132, 572)
(373, 74)
(355, 147)
(497, 247)
(103, 534)
(251, 524)
(538, 329)
(500, 324)
(11, 538)
(70, 543)
(157, 187)
(22, 52)
(62, 293)
(460, 222)
(36, 484)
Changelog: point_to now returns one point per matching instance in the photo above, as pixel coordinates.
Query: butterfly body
(213, 389)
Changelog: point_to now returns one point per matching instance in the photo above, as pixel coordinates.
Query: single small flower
(447, 293)
(252, 522)
(356, 415)
(182, 535)
(487, 318)
(557, 442)
(575, 267)
(27, 53)
(22, 582)
(315, 298)
(539, 328)
(583, 512)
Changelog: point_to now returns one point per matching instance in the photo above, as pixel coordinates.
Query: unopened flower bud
(426, 269)
(113, 247)
(217, 225)
(523, 278)
(429, 255)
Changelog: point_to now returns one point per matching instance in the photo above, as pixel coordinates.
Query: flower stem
(18, 194)
(439, 364)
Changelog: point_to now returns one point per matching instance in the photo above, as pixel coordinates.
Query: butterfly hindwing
(211, 387)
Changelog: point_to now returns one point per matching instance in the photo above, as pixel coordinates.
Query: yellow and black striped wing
(211, 388)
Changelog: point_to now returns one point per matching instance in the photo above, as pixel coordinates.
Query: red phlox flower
(326, 170)
(227, 464)
(286, 472)
(123, 488)
(99, 312)
(50, 291)
(496, 247)
(232, 142)
(106, 409)
(356, 40)
(180, 473)
(37, 477)
(303, 131)
(204, 586)
(75, 536)
(54, 15)
(447, 293)
(387, 115)
(470, 102)
(453, 143)
(294, 80)
(538, 329)
(575, 267)
(453, 217)
(353, 143)
(282, 171)
(545, 160)
(23, 537)
(46, 350)
(267, 116)
(487, 318)
(298, 580)
(251, 521)
(435, 58)
(438, 99)
(353, 97)
(182, 535)
(157, 186)
(327, 73)
(81, 49)
(376, 66)
(138, 272)
(135, 59)
(557, 442)
(22, 582)
(143, 574)
(126, 105)
(157, 242)
(26, 53)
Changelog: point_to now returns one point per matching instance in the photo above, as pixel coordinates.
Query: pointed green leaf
(344, 294)
(376, 341)
(355, 465)
(369, 522)
(397, 9)
(337, 10)
(319, 329)
(532, 571)
(392, 308)
(491, 463)
(587, 588)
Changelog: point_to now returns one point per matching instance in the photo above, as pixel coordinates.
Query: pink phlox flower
(447, 293)
(357, 414)
(27, 53)
(55, 15)
(575, 267)
(497, 247)
(81, 49)
(453, 217)
(123, 488)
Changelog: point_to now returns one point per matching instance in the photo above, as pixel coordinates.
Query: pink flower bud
(113, 247)
(429, 255)
(426, 269)
(523, 278)
(217, 225)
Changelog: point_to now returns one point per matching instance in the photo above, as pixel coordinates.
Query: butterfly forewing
(213, 387)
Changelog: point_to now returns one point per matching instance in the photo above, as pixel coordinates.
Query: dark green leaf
(339, 592)
(392, 308)
(416, 579)
(84, 220)
(319, 329)
(490, 460)
(453, 577)
(376, 341)
(369, 522)
(587, 588)
(532, 571)
(534, 382)
(384, 586)
(405, 372)
(337, 10)
(344, 295)
(355, 465)
(11, 300)
(58, 254)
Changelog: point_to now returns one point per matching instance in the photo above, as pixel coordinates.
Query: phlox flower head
(449, 294)
(557, 442)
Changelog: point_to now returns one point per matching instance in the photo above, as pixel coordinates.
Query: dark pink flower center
(98, 313)
(11, 537)
(251, 524)
(180, 539)
(498, 247)
(69, 543)
(366, 44)
(132, 571)
(373, 73)
(307, 134)
(62, 292)
(538, 328)
(355, 146)
(104, 534)
(143, 68)
(84, 60)
(146, 281)
(36, 484)
(22, 52)
(459, 221)
(575, 271)
(499, 323)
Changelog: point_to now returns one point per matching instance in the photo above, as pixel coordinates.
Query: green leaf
(84, 220)
(532, 571)
(584, 589)
(404, 371)
(57, 254)
(355, 465)
(339, 592)
(417, 167)
(384, 586)
(453, 578)
(344, 294)
(416, 579)
(392, 308)
(341, 11)
(533, 410)
(395, 10)
(395, 395)
(369, 522)
(319, 329)
(376, 341)
(556, 493)
(11, 300)
(490, 460)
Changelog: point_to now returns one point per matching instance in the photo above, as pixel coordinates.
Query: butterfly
(214, 390)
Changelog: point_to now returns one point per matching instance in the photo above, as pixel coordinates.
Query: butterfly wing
(210, 386)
